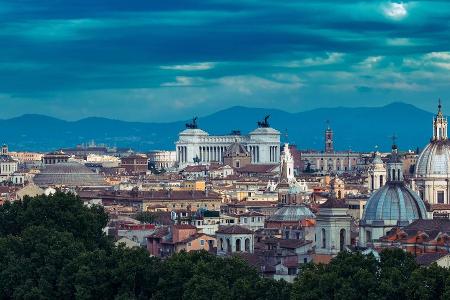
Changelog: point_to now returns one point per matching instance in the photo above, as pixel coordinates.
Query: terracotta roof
(234, 229)
(439, 206)
(252, 213)
(159, 232)
(184, 226)
(334, 203)
(196, 168)
(293, 244)
(257, 168)
(429, 258)
(159, 195)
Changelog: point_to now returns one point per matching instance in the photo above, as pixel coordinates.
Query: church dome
(68, 174)
(393, 204)
(434, 160)
(292, 213)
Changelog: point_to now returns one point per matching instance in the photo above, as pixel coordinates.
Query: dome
(68, 174)
(394, 203)
(292, 213)
(434, 160)
(265, 130)
(196, 131)
(377, 159)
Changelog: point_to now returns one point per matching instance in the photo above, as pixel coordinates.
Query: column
(257, 155)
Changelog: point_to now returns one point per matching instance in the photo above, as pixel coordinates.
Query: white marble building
(196, 145)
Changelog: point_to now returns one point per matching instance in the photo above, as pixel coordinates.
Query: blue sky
(167, 60)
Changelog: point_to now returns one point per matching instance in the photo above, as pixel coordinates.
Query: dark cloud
(178, 57)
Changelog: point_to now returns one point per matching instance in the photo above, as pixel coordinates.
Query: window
(189, 244)
(245, 220)
(202, 242)
(305, 260)
(342, 239)
(324, 238)
(440, 197)
(292, 271)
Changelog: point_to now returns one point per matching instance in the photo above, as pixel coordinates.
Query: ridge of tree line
(53, 247)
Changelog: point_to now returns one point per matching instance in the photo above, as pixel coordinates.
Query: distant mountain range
(359, 129)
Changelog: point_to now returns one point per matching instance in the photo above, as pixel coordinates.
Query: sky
(158, 61)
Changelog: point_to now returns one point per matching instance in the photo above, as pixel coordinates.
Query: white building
(234, 238)
(432, 172)
(195, 145)
(333, 227)
(162, 159)
(8, 165)
(376, 173)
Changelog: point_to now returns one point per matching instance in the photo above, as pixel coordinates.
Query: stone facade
(194, 144)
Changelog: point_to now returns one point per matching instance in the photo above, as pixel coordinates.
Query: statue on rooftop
(193, 124)
(265, 123)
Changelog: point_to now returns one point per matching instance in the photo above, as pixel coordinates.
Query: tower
(394, 166)
(329, 148)
(5, 149)
(439, 125)
(376, 173)
(333, 227)
(287, 164)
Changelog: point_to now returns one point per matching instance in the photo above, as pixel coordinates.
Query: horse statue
(265, 123)
(193, 124)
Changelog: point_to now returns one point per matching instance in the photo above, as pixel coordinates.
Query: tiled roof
(234, 229)
(429, 258)
(334, 203)
(252, 214)
(293, 243)
(257, 168)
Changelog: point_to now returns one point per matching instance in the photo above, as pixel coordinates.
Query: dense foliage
(53, 247)
(356, 276)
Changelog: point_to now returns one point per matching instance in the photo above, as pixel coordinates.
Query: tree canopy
(53, 247)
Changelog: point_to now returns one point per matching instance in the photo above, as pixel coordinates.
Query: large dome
(434, 160)
(68, 174)
(393, 204)
(292, 213)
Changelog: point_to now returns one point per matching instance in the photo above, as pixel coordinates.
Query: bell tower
(394, 166)
(5, 150)
(329, 148)
(439, 125)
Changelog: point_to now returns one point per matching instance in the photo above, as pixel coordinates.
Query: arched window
(324, 238)
(393, 175)
(238, 245)
(368, 236)
(228, 246)
(398, 174)
(247, 245)
(221, 243)
(381, 180)
(342, 239)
